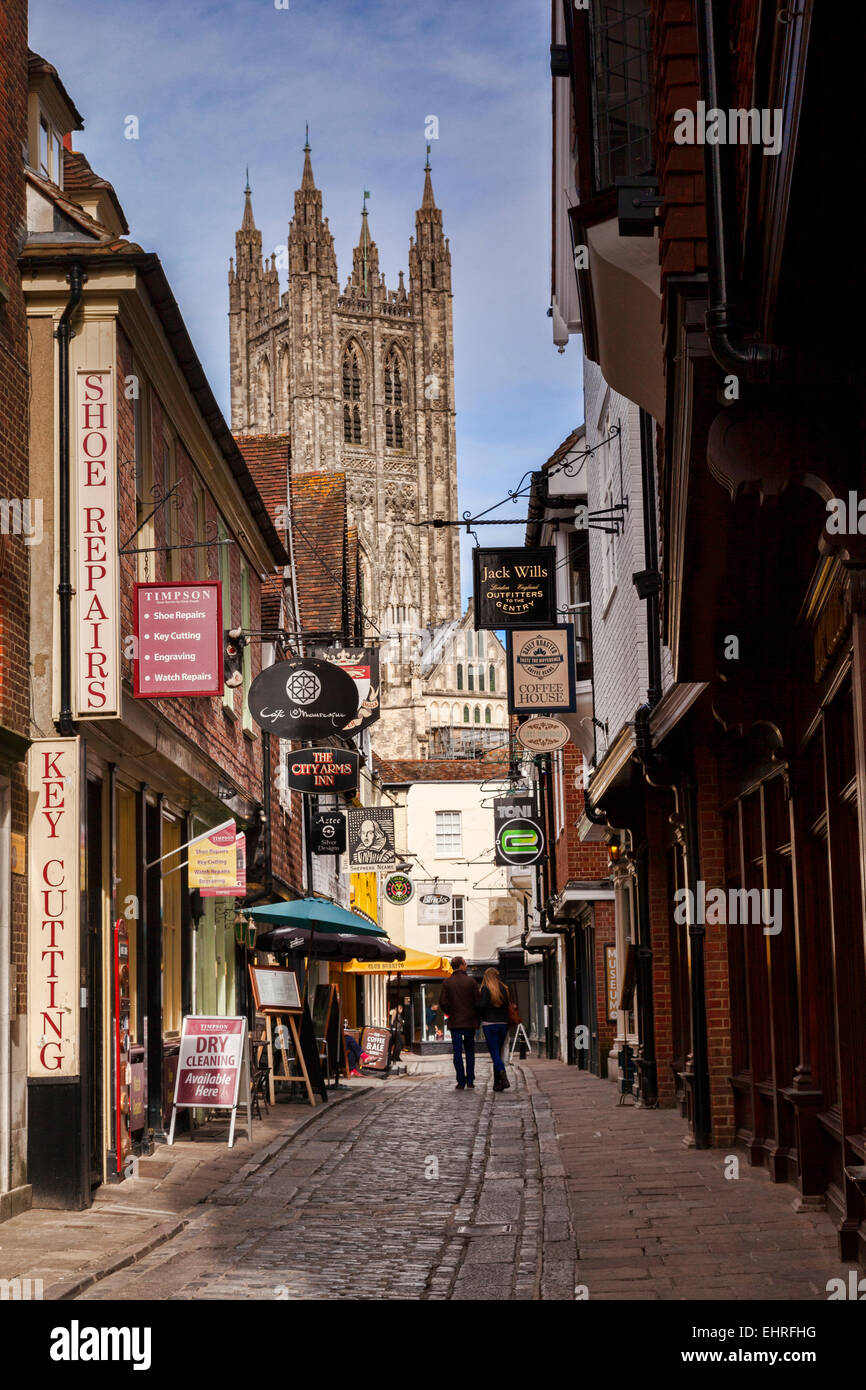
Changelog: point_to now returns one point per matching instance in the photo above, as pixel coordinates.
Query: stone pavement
(653, 1219)
(68, 1250)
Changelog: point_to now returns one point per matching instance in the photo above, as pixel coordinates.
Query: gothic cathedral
(362, 381)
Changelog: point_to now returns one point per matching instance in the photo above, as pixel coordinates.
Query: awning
(341, 946)
(417, 963)
(318, 914)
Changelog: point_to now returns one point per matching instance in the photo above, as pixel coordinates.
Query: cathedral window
(469, 644)
(389, 429)
(306, 257)
(480, 677)
(460, 675)
(347, 425)
(487, 714)
(432, 275)
(477, 714)
(352, 395)
(465, 714)
(356, 425)
(398, 429)
(471, 673)
(393, 379)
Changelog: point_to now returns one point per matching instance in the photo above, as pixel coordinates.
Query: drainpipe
(752, 361)
(63, 334)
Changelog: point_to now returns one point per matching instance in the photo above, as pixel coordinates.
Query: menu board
(275, 989)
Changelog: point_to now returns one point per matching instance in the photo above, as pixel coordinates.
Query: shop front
(416, 988)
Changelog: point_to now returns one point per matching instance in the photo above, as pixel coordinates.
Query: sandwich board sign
(212, 1065)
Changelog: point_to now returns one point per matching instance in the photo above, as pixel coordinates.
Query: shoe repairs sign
(178, 630)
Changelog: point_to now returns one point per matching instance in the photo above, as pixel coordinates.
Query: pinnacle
(428, 201)
(308, 183)
(248, 223)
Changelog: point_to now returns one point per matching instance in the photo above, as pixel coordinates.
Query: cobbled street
(415, 1191)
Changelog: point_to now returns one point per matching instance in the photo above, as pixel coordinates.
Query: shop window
(620, 89)
(126, 895)
(171, 928)
(226, 585)
(246, 623)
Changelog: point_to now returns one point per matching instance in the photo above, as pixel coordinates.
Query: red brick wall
(659, 807)
(605, 935)
(14, 470)
(680, 167)
(712, 863)
(572, 857)
(203, 721)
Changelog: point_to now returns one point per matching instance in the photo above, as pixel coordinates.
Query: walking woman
(493, 1004)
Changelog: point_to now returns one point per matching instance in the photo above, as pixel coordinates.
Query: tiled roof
(396, 771)
(272, 592)
(78, 177)
(36, 65)
(268, 459)
(565, 447)
(88, 225)
(320, 542)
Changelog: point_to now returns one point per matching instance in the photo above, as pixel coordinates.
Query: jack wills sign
(94, 533)
(514, 587)
(53, 984)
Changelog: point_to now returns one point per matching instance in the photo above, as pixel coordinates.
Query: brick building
(128, 444)
(700, 282)
(20, 534)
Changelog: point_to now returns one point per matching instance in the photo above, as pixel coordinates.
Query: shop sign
(362, 664)
(209, 1062)
(434, 909)
(303, 698)
(94, 535)
(328, 833)
(372, 838)
(515, 586)
(542, 734)
(53, 981)
(611, 981)
(178, 630)
(376, 1042)
(518, 838)
(234, 887)
(213, 858)
(541, 670)
(399, 889)
(323, 770)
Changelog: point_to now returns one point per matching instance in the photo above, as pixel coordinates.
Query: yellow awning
(416, 963)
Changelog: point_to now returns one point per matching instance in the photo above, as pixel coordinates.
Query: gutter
(63, 333)
(755, 362)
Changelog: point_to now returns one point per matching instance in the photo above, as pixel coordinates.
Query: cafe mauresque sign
(514, 586)
(303, 698)
(96, 686)
(54, 860)
(178, 631)
(323, 770)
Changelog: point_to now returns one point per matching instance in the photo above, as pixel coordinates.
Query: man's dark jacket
(458, 998)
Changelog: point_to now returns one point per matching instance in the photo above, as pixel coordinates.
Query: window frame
(445, 837)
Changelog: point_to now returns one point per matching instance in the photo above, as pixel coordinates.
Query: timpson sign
(53, 1002)
(96, 687)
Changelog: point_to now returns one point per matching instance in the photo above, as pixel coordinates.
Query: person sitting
(353, 1047)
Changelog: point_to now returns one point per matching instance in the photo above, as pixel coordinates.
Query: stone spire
(429, 251)
(311, 246)
(365, 257)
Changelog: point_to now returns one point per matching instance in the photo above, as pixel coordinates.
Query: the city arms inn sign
(53, 984)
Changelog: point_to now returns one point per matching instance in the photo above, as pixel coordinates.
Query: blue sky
(218, 86)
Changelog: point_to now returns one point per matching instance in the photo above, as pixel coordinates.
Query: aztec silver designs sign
(94, 535)
(53, 983)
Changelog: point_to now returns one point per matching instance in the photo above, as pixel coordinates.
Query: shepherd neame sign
(514, 587)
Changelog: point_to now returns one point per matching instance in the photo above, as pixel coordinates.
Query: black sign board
(323, 770)
(303, 698)
(328, 833)
(518, 838)
(362, 664)
(371, 838)
(514, 587)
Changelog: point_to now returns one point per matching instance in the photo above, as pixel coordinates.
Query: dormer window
(50, 152)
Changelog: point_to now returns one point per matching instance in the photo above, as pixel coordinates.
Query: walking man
(458, 1000)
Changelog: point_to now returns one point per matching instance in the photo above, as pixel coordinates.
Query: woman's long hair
(497, 990)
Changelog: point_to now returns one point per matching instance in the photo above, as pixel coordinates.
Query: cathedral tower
(362, 380)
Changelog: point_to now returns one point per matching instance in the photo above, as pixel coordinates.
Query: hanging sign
(611, 982)
(213, 857)
(178, 631)
(371, 837)
(303, 698)
(328, 833)
(94, 536)
(518, 838)
(515, 586)
(541, 734)
(235, 887)
(54, 866)
(323, 770)
(399, 889)
(541, 670)
(362, 664)
(434, 908)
